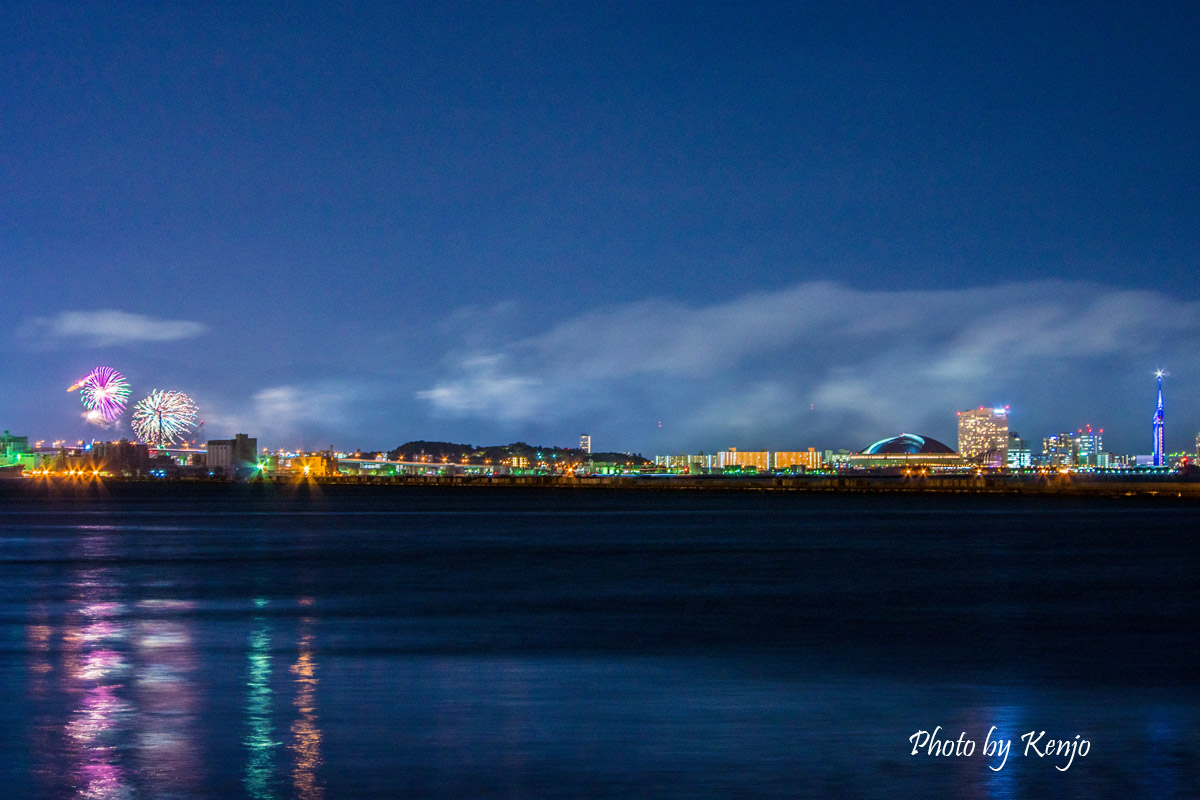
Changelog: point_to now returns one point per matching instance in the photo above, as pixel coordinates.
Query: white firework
(163, 417)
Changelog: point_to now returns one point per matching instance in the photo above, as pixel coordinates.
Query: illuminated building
(983, 436)
(1159, 452)
(15, 452)
(1059, 450)
(1019, 454)
(1089, 447)
(809, 459)
(14, 444)
(231, 456)
(907, 451)
(732, 459)
(121, 458)
(682, 463)
(585, 443)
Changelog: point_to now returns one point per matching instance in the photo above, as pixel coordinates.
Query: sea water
(189, 641)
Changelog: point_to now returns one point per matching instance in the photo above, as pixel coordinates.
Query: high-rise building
(1160, 454)
(1019, 455)
(1088, 445)
(585, 443)
(1059, 450)
(983, 436)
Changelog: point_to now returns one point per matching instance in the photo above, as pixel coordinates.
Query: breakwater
(1041, 484)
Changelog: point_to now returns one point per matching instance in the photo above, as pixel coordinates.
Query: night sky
(676, 227)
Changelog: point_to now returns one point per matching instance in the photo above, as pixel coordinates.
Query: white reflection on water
(167, 702)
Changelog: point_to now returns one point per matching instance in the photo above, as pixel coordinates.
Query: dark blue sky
(763, 226)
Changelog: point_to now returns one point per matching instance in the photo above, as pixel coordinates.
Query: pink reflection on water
(95, 671)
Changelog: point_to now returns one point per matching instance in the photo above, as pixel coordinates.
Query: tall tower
(1160, 459)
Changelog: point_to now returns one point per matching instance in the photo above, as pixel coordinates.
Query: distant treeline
(436, 451)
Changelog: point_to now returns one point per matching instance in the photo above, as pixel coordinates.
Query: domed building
(906, 451)
(908, 444)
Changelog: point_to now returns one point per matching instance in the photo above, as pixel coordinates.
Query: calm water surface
(225, 641)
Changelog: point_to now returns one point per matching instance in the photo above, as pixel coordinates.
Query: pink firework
(105, 392)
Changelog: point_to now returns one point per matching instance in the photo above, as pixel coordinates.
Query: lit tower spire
(1159, 456)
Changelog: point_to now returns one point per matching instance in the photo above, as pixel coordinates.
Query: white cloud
(482, 387)
(110, 327)
(278, 415)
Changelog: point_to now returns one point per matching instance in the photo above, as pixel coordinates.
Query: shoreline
(1020, 485)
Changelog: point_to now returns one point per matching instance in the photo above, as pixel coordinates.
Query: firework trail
(163, 417)
(104, 393)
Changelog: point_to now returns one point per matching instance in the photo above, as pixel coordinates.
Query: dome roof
(907, 443)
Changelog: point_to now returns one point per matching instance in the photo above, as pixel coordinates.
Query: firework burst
(104, 392)
(163, 417)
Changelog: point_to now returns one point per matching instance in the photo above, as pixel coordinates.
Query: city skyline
(91, 427)
(681, 228)
(984, 439)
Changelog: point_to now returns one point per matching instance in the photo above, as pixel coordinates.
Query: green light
(260, 765)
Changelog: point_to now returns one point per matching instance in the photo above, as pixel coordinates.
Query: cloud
(110, 327)
(287, 414)
(825, 361)
(483, 387)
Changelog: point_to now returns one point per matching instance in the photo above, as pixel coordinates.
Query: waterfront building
(837, 457)
(1059, 450)
(238, 455)
(983, 436)
(10, 443)
(1019, 454)
(121, 458)
(1089, 447)
(908, 451)
(585, 443)
(733, 459)
(1159, 418)
(15, 453)
(15, 450)
(310, 465)
(809, 459)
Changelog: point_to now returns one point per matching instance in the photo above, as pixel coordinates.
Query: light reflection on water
(306, 731)
(166, 695)
(260, 742)
(193, 680)
(128, 671)
(96, 669)
(1007, 721)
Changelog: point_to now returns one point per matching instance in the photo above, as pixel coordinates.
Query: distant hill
(455, 453)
